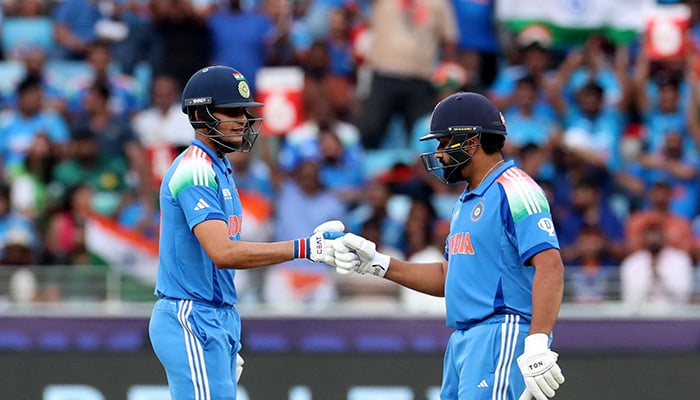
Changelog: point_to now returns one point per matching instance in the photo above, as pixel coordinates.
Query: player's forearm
(428, 278)
(547, 293)
(248, 255)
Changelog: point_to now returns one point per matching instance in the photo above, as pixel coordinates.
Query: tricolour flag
(573, 21)
(123, 250)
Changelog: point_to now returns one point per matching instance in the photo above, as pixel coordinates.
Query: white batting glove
(538, 364)
(319, 246)
(239, 366)
(356, 254)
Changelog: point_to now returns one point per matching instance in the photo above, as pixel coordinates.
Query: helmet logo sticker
(503, 120)
(239, 76)
(477, 211)
(243, 89)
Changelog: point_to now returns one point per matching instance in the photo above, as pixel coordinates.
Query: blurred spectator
(670, 164)
(113, 136)
(677, 229)
(590, 276)
(290, 40)
(477, 47)
(124, 99)
(528, 122)
(163, 129)
(656, 278)
(669, 113)
(18, 248)
(183, 37)
(65, 235)
(532, 57)
(19, 127)
(254, 35)
(377, 205)
(604, 63)
(590, 208)
(327, 86)
(333, 143)
(34, 61)
(592, 130)
(426, 246)
(74, 27)
(140, 43)
(409, 39)
(13, 223)
(302, 204)
(419, 227)
(106, 176)
(32, 183)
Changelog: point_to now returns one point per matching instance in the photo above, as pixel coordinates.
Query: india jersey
(197, 187)
(494, 231)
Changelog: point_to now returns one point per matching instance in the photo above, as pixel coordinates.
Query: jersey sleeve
(529, 209)
(194, 187)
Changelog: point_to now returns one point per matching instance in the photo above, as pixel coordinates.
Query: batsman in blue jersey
(502, 277)
(195, 329)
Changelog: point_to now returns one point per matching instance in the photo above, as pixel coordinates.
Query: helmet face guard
(208, 121)
(458, 153)
(218, 87)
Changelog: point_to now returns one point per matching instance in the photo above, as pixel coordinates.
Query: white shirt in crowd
(665, 287)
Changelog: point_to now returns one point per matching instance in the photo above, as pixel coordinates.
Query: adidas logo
(483, 384)
(201, 204)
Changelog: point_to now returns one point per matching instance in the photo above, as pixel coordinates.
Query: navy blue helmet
(215, 87)
(460, 116)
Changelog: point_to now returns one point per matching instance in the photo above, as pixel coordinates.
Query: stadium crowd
(91, 114)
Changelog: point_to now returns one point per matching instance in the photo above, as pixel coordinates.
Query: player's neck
(485, 168)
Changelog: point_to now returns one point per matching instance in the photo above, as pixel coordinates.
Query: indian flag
(123, 250)
(568, 22)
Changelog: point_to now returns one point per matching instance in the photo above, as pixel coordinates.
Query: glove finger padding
(542, 384)
(346, 261)
(366, 249)
(551, 379)
(330, 226)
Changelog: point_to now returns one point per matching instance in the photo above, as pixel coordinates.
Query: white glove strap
(536, 343)
(379, 265)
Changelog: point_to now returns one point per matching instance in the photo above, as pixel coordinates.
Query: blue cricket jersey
(197, 187)
(494, 231)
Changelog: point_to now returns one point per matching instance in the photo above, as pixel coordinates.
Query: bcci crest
(243, 89)
(477, 212)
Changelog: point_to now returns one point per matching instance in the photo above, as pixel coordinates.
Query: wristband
(302, 248)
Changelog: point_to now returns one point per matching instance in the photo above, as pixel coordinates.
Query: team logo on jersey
(227, 194)
(243, 89)
(477, 211)
(546, 225)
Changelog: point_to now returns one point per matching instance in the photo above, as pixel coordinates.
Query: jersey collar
(223, 163)
(490, 179)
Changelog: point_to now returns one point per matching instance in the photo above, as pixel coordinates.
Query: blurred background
(601, 105)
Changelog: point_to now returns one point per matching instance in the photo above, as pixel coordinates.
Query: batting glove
(356, 254)
(319, 246)
(239, 366)
(538, 365)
